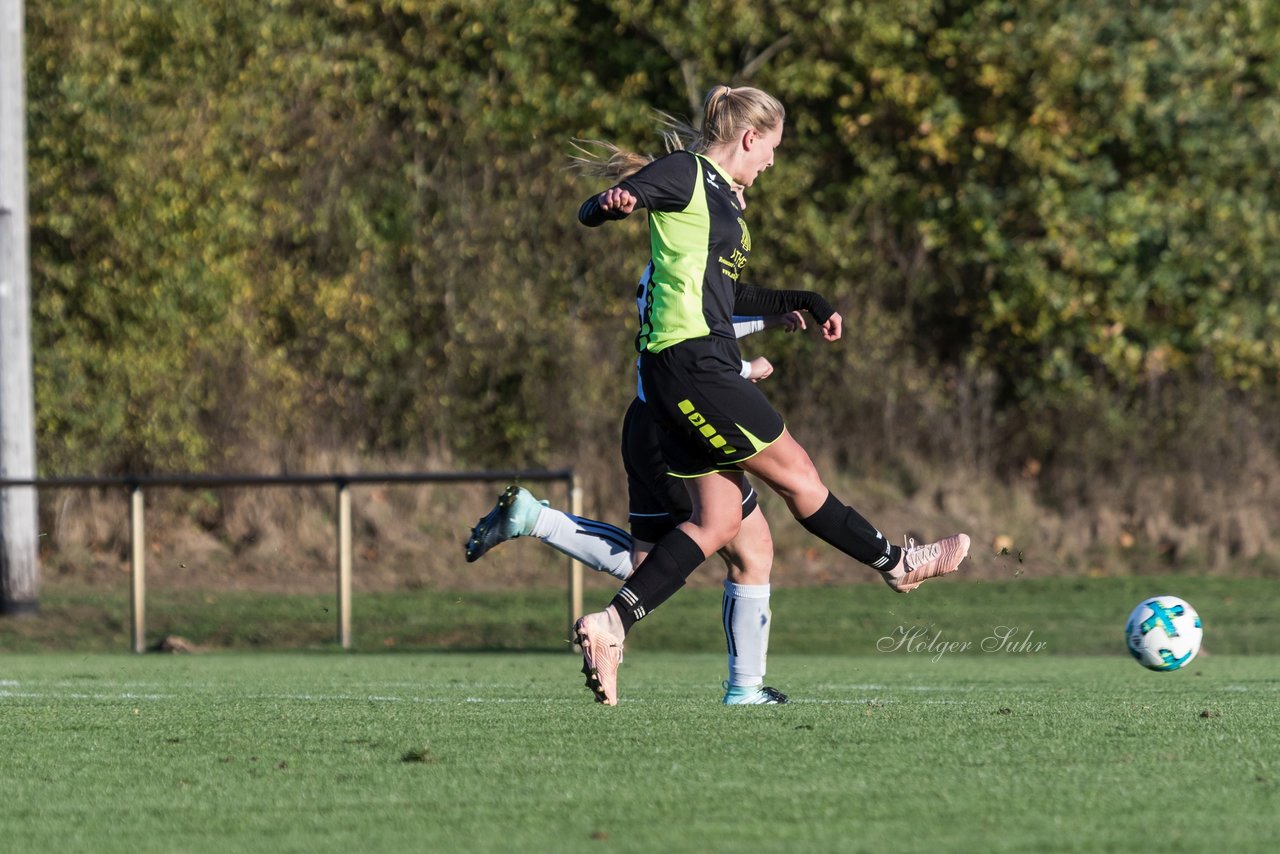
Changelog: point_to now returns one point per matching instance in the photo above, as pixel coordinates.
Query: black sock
(842, 527)
(662, 573)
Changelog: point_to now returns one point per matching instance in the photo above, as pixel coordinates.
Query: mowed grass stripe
(1062, 616)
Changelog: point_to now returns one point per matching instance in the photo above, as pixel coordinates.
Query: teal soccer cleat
(757, 696)
(513, 516)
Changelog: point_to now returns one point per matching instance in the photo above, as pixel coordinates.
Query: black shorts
(658, 501)
(710, 417)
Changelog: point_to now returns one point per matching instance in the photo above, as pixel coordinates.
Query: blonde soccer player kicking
(715, 425)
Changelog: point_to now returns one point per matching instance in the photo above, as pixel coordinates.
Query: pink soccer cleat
(920, 563)
(601, 655)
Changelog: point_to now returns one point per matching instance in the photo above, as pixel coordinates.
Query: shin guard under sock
(662, 573)
(842, 527)
(746, 632)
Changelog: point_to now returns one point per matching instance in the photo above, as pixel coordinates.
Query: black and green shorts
(657, 502)
(710, 417)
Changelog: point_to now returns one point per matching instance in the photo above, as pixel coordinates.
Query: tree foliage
(260, 227)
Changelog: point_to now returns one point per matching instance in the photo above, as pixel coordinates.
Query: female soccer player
(714, 423)
(657, 503)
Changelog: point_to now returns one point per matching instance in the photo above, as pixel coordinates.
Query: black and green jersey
(692, 286)
(699, 244)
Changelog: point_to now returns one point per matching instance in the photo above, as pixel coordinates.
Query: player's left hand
(832, 327)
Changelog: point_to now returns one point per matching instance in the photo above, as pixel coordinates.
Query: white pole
(138, 569)
(344, 565)
(19, 569)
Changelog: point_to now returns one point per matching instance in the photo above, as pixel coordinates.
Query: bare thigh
(787, 469)
(717, 510)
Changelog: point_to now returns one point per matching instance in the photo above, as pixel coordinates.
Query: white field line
(864, 694)
(131, 696)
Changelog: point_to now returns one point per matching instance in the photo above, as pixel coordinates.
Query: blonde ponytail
(726, 112)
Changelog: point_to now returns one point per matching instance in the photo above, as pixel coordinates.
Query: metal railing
(135, 484)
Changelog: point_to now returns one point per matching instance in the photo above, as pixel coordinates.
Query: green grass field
(502, 752)
(408, 746)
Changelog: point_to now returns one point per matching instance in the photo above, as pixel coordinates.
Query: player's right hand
(760, 369)
(617, 200)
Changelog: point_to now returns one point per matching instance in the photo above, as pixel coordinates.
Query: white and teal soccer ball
(1163, 633)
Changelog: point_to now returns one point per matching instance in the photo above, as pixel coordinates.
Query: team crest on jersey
(746, 235)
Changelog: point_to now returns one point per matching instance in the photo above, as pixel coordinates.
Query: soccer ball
(1163, 633)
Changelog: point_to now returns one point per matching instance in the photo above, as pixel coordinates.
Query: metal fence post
(138, 568)
(344, 565)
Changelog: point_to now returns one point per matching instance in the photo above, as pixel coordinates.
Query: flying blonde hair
(726, 112)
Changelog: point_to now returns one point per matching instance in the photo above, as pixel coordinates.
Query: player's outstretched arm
(751, 299)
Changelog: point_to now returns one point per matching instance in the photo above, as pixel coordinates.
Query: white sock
(746, 632)
(599, 545)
